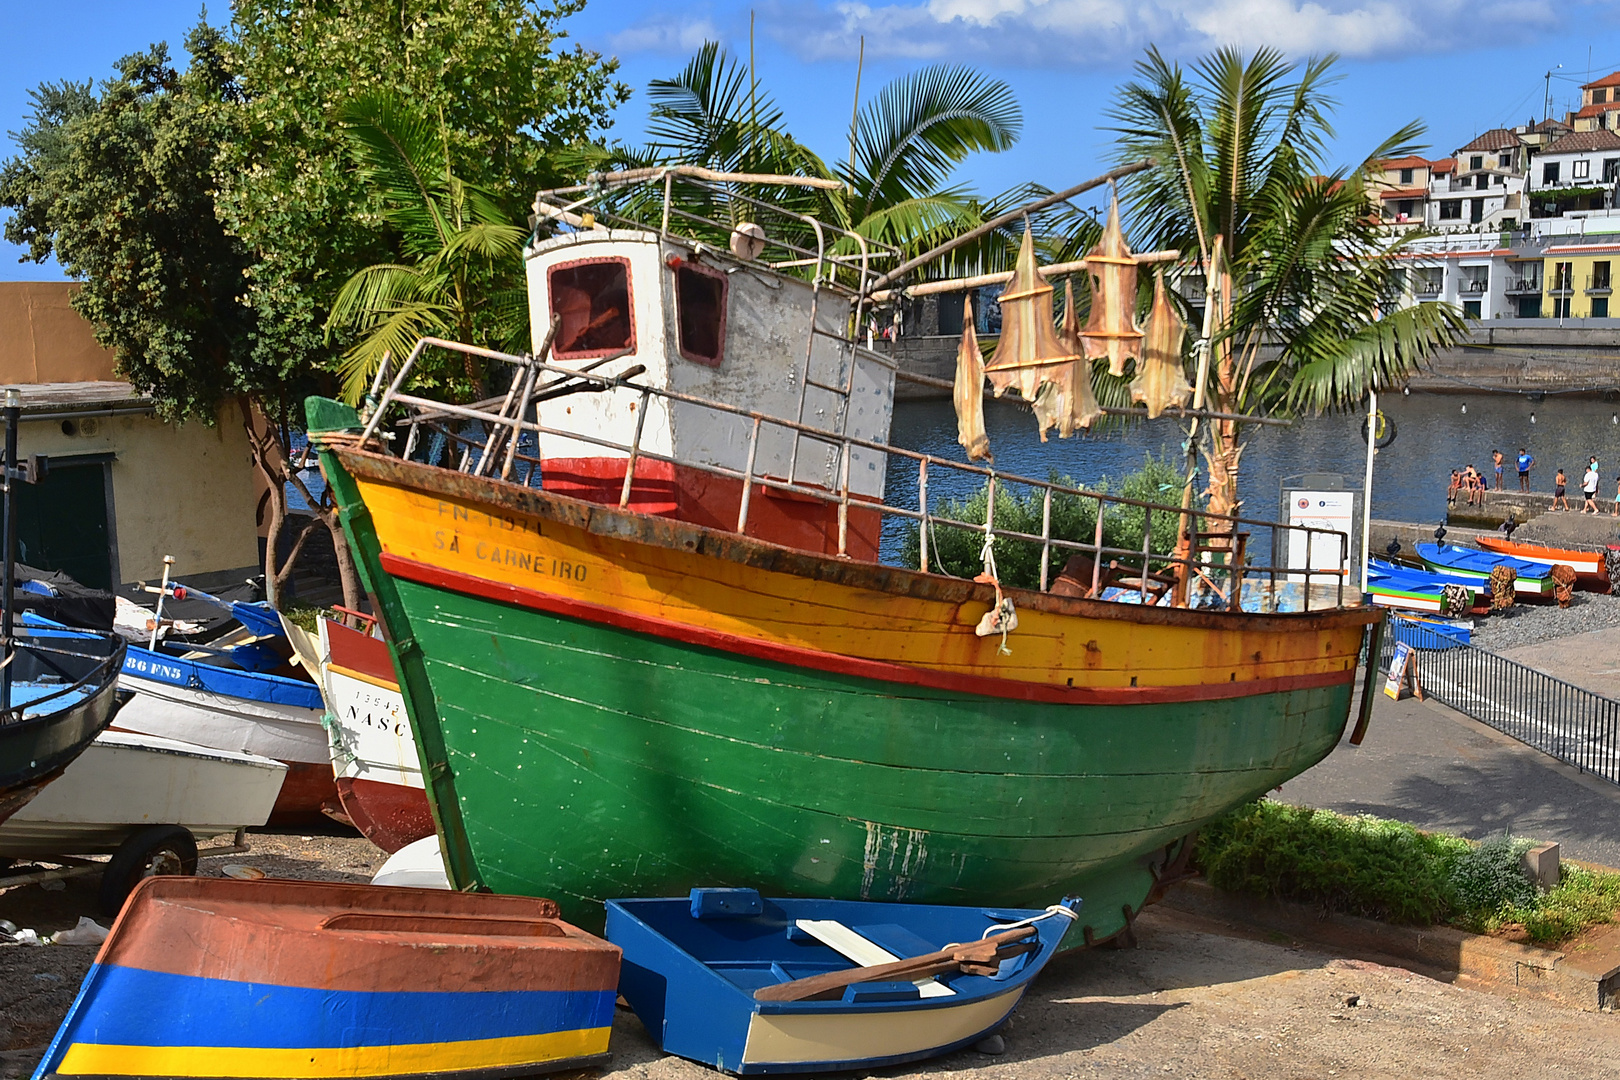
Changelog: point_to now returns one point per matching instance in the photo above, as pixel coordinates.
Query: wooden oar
(976, 958)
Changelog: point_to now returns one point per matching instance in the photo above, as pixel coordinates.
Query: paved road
(1437, 769)
(1590, 660)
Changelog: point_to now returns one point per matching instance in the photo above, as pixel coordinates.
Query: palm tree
(459, 271)
(1299, 279)
(907, 141)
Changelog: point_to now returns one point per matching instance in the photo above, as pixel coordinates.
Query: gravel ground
(1531, 624)
(1196, 999)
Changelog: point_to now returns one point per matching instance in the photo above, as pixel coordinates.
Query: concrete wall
(42, 339)
(185, 490)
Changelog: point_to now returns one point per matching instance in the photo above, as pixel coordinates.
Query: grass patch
(306, 618)
(1388, 870)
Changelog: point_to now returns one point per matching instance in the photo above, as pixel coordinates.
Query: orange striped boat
(1590, 572)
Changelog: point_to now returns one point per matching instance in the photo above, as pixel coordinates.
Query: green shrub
(1581, 900)
(956, 550)
(1388, 870)
(1488, 878)
(1358, 865)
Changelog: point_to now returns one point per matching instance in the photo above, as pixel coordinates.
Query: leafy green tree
(493, 72)
(460, 271)
(119, 187)
(1304, 281)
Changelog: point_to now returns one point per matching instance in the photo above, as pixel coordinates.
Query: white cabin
(706, 323)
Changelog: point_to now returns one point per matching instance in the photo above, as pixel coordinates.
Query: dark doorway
(64, 521)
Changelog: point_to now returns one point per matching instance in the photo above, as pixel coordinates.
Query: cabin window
(1406, 176)
(700, 308)
(591, 297)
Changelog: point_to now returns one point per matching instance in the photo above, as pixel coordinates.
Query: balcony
(1530, 286)
(1192, 290)
(1426, 287)
(1598, 285)
(1561, 287)
(1474, 286)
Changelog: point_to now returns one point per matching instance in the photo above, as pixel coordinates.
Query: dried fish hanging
(1160, 379)
(1112, 331)
(968, 393)
(1029, 353)
(1070, 385)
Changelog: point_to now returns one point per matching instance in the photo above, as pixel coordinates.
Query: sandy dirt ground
(1192, 1000)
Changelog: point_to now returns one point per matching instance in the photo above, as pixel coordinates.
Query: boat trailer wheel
(154, 850)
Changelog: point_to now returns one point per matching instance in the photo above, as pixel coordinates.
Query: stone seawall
(1510, 357)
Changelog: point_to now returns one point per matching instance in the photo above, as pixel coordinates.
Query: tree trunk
(270, 458)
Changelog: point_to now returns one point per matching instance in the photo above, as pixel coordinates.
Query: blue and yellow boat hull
(219, 978)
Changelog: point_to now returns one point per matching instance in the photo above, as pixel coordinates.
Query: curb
(1585, 978)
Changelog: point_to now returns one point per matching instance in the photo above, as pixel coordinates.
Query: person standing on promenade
(1589, 486)
(1558, 491)
(1525, 461)
(1496, 460)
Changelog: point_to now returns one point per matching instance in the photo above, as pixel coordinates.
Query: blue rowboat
(722, 977)
(1471, 566)
(221, 978)
(1405, 589)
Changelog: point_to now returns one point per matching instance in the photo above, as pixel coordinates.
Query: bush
(1387, 870)
(1488, 878)
(956, 551)
(1358, 865)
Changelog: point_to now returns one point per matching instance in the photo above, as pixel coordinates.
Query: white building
(1577, 173)
(1486, 190)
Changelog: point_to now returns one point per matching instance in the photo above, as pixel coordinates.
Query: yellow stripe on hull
(784, 1038)
(97, 1059)
(725, 596)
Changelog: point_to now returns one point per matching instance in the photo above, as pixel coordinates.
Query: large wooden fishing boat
(682, 661)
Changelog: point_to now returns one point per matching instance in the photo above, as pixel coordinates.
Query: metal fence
(1575, 726)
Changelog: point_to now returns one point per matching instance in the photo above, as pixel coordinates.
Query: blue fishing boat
(1471, 566)
(1405, 589)
(752, 985)
(60, 694)
(221, 978)
(204, 696)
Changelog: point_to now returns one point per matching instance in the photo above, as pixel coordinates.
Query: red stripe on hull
(308, 785)
(701, 498)
(979, 685)
(389, 815)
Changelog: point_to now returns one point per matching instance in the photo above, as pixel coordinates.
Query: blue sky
(1462, 66)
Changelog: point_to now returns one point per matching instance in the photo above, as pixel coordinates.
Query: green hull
(591, 762)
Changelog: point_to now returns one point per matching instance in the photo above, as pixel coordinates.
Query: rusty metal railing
(1202, 566)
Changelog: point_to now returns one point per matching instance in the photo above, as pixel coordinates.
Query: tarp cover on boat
(55, 596)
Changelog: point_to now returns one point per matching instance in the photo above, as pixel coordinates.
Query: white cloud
(676, 34)
(1064, 33)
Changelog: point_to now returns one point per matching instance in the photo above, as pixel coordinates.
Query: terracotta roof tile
(1404, 193)
(1550, 125)
(1595, 110)
(1494, 139)
(1445, 165)
(1413, 162)
(1581, 141)
(1607, 80)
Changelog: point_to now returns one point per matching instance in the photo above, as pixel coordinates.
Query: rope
(1004, 607)
(1052, 909)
